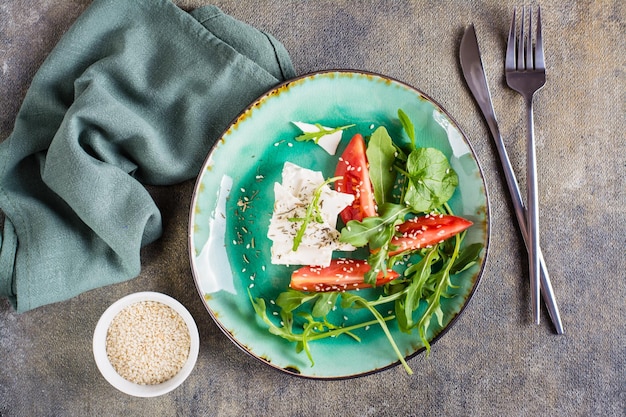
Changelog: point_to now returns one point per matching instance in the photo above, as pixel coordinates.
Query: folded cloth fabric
(135, 93)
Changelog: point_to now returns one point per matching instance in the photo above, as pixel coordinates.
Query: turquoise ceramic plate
(233, 202)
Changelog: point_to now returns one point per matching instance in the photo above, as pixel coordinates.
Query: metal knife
(474, 73)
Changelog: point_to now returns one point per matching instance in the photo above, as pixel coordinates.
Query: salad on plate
(377, 237)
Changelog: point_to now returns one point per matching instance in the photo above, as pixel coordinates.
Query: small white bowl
(109, 372)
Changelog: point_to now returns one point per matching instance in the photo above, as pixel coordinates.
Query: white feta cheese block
(328, 142)
(292, 197)
(300, 182)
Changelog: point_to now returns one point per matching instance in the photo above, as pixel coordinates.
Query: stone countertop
(494, 361)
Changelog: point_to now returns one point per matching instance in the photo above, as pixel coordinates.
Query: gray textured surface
(493, 362)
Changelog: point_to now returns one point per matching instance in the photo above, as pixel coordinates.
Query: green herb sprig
(313, 213)
(322, 131)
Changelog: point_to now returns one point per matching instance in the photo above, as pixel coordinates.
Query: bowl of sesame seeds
(146, 344)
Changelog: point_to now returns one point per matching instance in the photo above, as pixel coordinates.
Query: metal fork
(525, 71)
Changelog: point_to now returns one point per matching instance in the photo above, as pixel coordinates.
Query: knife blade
(474, 73)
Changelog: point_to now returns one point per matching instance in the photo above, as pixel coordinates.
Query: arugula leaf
(324, 304)
(259, 307)
(291, 299)
(467, 258)
(377, 232)
(309, 328)
(407, 125)
(419, 273)
(432, 180)
(351, 298)
(323, 131)
(377, 262)
(381, 155)
(433, 306)
(374, 230)
(441, 281)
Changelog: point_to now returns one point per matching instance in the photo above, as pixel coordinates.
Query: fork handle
(520, 213)
(532, 219)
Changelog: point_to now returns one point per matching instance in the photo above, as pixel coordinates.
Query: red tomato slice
(342, 274)
(353, 169)
(424, 231)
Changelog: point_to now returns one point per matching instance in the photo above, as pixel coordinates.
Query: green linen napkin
(135, 93)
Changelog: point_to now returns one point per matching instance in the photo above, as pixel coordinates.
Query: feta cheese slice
(292, 197)
(328, 142)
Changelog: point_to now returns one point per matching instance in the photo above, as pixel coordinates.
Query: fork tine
(529, 41)
(510, 47)
(539, 58)
(520, 42)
